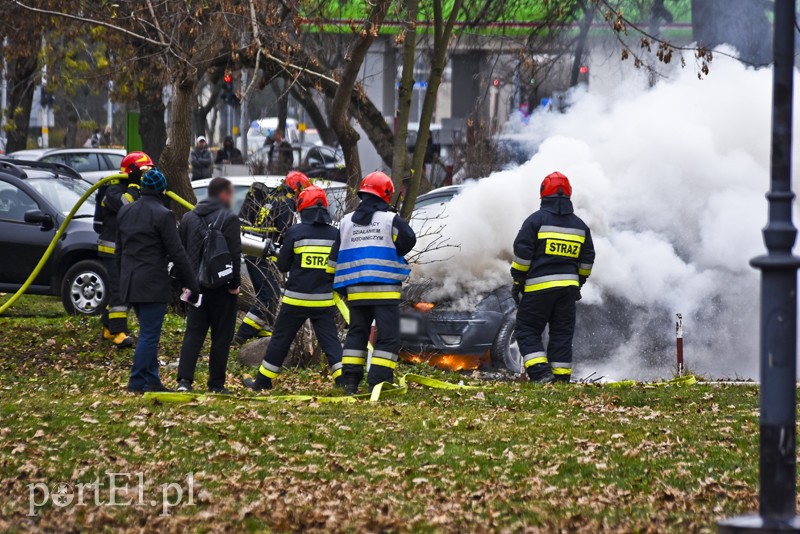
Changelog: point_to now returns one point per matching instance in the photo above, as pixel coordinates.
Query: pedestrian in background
(201, 160)
(149, 240)
(217, 310)
(229, 153)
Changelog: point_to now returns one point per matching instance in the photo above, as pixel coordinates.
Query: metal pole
(679, 341)
(777, 466)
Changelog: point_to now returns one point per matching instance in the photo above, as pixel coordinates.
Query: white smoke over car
(671, 179)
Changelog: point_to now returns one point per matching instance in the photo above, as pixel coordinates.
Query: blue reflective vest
(367, 254)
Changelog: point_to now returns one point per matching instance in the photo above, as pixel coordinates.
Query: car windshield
(63, 194)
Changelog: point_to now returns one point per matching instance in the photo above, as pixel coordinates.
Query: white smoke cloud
(671, 179)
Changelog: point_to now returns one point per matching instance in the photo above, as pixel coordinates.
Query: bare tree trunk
(71, 137)
(441, 38)
(580, 45)
(306, 99)
(279, 87)
(340, 116)
(152, 129)
(22, 73)
(406, 90)
(174, 161)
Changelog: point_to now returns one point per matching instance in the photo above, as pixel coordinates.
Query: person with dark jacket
(279, 156)
(229, 153)
(110, 199)
(370, 268)
(553, 258)
(149, 240)
(274, 214)
(217, 310)
(200, 159)
(309, 290)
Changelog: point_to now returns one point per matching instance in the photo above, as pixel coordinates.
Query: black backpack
(216, 264)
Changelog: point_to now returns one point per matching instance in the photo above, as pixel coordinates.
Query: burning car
(458, 340)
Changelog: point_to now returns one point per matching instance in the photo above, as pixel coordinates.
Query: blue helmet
(154, 179)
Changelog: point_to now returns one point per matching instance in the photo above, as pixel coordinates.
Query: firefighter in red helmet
(309, 289)
(110, 198)
(553, 257)
(274, 212)
(370, 268)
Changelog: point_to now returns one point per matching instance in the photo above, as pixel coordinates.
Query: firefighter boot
(540, 373)
(351, 384)
(259, 383)
(339, 382)
(122, 340)
(107, 335)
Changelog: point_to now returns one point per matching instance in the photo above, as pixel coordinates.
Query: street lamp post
(777, 422)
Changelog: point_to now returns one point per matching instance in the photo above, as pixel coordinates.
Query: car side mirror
(39, 217)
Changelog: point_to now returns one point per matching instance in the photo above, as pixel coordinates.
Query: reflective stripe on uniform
(308, 300)
(309, 248)
(561, 368)
(118, 315)
(585, 269)
(533, 358)
(313, 243)
(254, 320)
(394, 233)
(554, 280)
(376, 292)
(383, 362)
(269, 370)
(127, 198)
(385, 355)
(561, 232)
(521, 265)
(354, 357)
(336, 370)
(400, 277)
(108, 247)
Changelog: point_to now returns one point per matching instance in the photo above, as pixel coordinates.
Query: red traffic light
(228, 78)
(584, 69)
(495, 82)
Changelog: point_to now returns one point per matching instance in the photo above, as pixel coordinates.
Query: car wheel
(505, 352)
(84, 289)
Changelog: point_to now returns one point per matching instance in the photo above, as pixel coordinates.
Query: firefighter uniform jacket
(368, 258)
(553, 249)
(304, 255)
(273, 210)
(111, 198)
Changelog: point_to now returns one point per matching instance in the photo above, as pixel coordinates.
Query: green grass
(512, 456)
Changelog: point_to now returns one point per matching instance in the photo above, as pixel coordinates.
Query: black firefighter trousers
(387, 343)
(217, 312)
(554, 307)
(289, 321)
(115, 314)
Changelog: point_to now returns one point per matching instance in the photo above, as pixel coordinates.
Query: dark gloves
(516, 292)
(578, 295)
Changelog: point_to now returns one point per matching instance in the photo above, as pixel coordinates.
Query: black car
(325, 163)
(35, 198)
(459, 339)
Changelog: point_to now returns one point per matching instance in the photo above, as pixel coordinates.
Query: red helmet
(555, 184)
(297, 181)
(311, 197)
(378, 184)
(135, 160)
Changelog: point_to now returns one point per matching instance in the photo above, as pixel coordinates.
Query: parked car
(324, 162)
(35, 198)
(92, 163)
(261, 129)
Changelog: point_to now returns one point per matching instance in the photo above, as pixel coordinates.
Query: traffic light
(228, 93)
(48, 98)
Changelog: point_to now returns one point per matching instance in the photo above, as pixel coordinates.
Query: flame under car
(457, 340)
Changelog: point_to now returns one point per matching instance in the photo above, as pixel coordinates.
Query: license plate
(408, 326)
